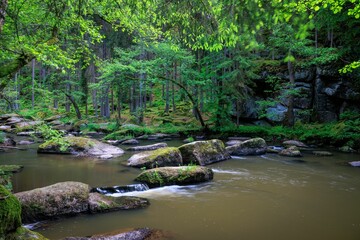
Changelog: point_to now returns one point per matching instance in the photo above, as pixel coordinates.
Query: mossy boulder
(183, 175)
(60, 199)
(10, 212)
(102, 203)
(23, 233)
(79, 146)
(204, 152)
(292, 151)
(254, 146)
(162, 157)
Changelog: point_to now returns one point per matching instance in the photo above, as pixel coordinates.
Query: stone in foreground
(204, 152)
(254, 146)
(162, 157)
(60, 199)
(101, 203)
(183, 175)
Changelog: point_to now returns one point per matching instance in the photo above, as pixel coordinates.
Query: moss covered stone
(66, 198)
(23, 233)
(10, 212)
(183, 175)
(204, 152)
(162, 157)
(254, 146)
(101, 203)
(80, 146)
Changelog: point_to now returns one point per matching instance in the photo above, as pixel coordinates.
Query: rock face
(292, 151)
(161, 157)
(204, 152)
(68, 199)
(61, 199)
(148, 147)
(184, 175)
(254, 146)
(80, 146)
(10, 212)
(134, 234)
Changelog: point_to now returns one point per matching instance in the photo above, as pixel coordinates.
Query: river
(254, 198)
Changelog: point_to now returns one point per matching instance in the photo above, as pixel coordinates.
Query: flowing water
(254, 198)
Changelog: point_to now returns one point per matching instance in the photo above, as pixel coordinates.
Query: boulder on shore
(162, 157)
(183, 175)
(148, 147)
(79, 146)
(10, 212)
(253, 146)
(204, 152)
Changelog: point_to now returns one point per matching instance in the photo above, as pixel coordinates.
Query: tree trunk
(33, 84)
(290, 118)
(3, 6)
(72, 100)
(167, 99)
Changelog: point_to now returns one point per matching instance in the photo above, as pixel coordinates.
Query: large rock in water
(80, 146)
(10, 212)
(204, 152)
(254, 146)
(162, 157)
(60, 199)
(148, 147)
(183, 175)
(133, 234)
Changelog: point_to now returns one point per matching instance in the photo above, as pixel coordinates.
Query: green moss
(164, 152)
(23, 233)
(10, 212)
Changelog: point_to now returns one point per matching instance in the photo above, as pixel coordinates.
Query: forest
(223, 66)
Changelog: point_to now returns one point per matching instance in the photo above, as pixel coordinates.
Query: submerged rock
(130, 142)
(148, 147)
(183, 175)
(162, 157)
(355, 163)
(60, 199)
(121, 189)
(292, 151)
(204, 152)
(254, 146)
(23, 233)
(133, 234)
(102, 203)
(322, 153)
(80, 146)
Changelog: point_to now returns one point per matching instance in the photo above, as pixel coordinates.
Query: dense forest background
(198, 64)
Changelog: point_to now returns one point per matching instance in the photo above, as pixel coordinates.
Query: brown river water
(253, 198)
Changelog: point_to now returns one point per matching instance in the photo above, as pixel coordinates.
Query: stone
(291, 151)
(11, 168)
(28, 125)
(101, 203)
(204, 152)
(183, 175)
(9, 141)
(294, 143)
(277, 113)
(53, 118)
(355, 163)
(346, 149)
(130, 142)
(10, 212)
(106, 156)
(23, 233)
(254, 146)
(148, 147)
(322, 153)
(60, 199)
(5, 128)
(80, 146)
(25, 142)
(233, 142)
(133, 234)
(162, 157)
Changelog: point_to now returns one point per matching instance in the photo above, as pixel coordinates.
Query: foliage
(53, 135)
(2, 137)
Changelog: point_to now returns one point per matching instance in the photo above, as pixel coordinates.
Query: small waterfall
(121, 189)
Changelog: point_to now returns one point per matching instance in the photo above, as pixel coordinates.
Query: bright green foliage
(52, 135)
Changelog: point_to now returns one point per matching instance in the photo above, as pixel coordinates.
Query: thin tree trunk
(290, 118)
(3, 6)
(33, 84)
(167, 100)
(72, 100)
